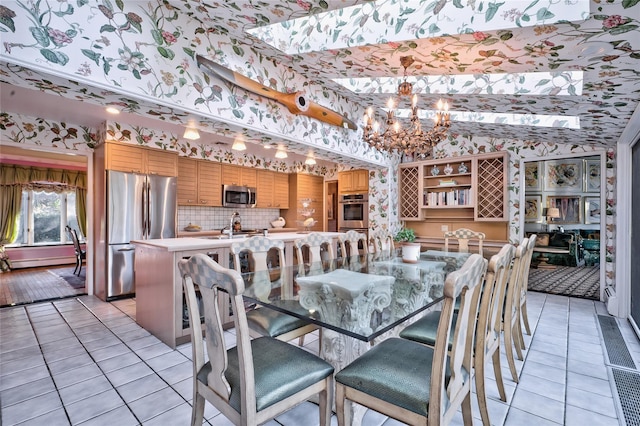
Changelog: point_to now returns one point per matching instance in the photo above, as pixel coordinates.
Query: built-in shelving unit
(465, 188)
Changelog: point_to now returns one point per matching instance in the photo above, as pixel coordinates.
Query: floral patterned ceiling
(140, 54)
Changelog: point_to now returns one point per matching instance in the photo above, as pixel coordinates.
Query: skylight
(383, 22)
(537, 120)
(566, 83)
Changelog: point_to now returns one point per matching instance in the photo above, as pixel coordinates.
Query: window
(44, 215)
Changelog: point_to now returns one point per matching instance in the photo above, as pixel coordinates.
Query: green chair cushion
(426, 328)
(269, 322)
(397, 371)
(281, 370)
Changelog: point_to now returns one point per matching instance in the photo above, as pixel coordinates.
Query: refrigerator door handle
(148, 231)
(127, 249)
(145, 210)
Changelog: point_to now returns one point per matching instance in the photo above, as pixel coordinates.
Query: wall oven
(353, 211)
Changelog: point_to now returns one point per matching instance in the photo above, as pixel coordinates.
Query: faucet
(233, 216)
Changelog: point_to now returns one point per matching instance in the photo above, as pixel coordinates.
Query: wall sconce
(281, 153)
(310, 161)
(238, 143)
(191, 133)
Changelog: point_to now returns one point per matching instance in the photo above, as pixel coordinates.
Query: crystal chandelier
(412, 140)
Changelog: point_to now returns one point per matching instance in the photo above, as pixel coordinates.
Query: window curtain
(15, 178)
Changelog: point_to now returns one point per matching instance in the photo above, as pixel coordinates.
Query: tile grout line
(132, 351)
(28, 314)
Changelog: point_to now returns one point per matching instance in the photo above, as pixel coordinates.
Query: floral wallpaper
(146, 52)
(140, 56)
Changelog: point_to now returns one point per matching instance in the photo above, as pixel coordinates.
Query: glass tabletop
(362, 297)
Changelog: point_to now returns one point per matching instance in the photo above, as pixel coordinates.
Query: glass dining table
(356, 301)
(362, 297)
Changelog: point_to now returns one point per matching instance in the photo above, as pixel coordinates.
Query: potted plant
(410, 250)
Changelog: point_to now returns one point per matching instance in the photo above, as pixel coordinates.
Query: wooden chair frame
(209, 277)
(351, 239)
(463, 235)
(258, 248)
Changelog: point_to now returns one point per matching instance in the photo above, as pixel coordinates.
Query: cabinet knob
(190, 201)
(203, 201)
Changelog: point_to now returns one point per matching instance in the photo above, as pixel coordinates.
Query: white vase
(410, 252)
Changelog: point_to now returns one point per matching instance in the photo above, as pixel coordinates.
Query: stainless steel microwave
(238, 196)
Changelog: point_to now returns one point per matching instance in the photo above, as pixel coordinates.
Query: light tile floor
(84, 361)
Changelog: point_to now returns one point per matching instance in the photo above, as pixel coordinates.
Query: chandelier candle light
(412, 140)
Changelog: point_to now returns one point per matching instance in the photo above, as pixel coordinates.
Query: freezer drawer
(121, 274)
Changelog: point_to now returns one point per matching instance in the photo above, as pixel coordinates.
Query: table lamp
(551, 213)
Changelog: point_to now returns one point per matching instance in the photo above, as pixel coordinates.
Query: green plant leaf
(92, 55)
(41, 36)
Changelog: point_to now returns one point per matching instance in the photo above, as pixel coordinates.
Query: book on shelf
(447, 182)
(455, 197)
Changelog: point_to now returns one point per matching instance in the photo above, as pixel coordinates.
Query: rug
(77, 282)
(581, 281)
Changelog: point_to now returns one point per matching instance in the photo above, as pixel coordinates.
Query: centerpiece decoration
(410, 249)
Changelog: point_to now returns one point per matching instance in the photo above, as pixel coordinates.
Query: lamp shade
(553, 213)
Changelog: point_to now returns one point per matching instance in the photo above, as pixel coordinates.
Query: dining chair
(512, 336)
(79, 252)
(258, 378)
(414, 383)
(350, 241)
(382, 243)
(318, 249)
(488, 330)
(522, 309)
(463, 235)
(264, 321)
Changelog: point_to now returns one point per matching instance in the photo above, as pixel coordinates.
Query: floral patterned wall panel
(519, 150)
(147, 50)
(46, 133)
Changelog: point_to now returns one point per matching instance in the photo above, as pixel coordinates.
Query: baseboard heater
(48, 261)
(611, 300)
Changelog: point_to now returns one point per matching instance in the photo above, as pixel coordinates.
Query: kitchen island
(160, 304)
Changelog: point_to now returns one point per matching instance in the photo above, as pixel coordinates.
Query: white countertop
(182, 244)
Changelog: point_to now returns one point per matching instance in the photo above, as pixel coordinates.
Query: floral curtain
(15, 178)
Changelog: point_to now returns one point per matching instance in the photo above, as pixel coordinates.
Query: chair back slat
(201, 271)
(465, 284)
(463, 236)
(319, 249)
(349, 244)
(382, 243)
(493, 298)
(258, 248)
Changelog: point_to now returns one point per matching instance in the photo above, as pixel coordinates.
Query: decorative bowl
(278, 223)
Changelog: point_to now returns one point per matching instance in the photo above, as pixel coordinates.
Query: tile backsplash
(210, 218)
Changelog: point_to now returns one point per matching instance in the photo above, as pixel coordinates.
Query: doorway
(561, 203)
(331, 190)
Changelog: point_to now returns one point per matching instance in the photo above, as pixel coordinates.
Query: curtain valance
(11, 174)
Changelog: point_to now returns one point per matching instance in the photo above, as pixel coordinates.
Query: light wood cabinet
(470, 187)
(264, 190)
(272, 189)
(237, 175)
(303, 186)
(281, 190)
(353, 181)
(137, 159)
(199, 182)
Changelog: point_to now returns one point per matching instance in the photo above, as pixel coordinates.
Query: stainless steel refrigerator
(139, 207)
